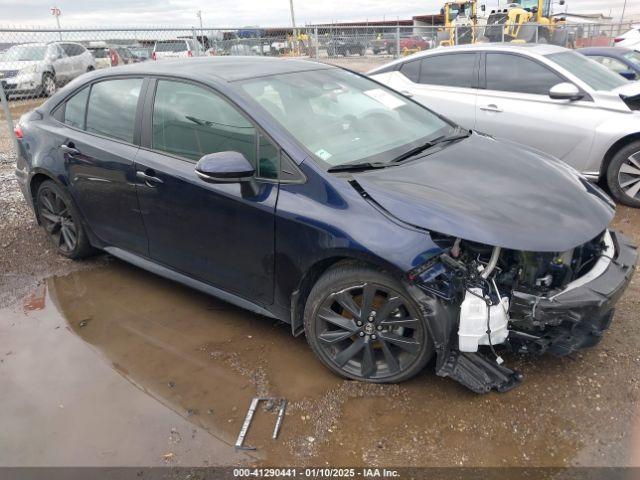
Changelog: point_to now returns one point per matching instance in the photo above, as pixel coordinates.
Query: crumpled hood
(493, 192)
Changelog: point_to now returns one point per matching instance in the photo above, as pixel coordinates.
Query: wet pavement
(115, 366)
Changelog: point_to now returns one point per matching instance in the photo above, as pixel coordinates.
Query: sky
(226, 13)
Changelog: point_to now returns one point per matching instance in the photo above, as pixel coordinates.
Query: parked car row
(40, 68)
(547, 97)
(386, 233)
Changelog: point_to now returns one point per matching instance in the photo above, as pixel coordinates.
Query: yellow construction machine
(526, 21)
(460, 23)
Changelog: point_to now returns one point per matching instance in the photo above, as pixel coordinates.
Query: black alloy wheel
(61, 221)
(367, 329)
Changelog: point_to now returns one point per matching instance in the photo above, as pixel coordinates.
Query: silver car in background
(39, 68)
(547, 97)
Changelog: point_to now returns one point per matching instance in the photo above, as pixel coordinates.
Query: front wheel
(48, 85)
(623, 175)
(363, 325)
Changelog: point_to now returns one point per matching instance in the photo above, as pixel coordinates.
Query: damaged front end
(476, 297)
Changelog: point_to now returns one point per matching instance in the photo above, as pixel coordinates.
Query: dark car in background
(307, 193)
(346, 45)
(621, 60)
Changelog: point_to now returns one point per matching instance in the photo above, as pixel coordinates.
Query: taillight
(153, 56)
(189, 53)
(618, 40)
(114, 58)
(18, 132)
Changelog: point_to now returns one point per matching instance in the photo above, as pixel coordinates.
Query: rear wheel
(363, 325)
(623, 175)
(61, 221)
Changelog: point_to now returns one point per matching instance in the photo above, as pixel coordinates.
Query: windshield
(589, 71)
(177, 46)
(343, 118)
(633, 58)
(25, 53)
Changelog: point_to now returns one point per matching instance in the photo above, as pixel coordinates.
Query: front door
(516, 106)
(219, 233)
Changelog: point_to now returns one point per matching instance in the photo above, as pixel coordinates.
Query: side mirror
(565, 91)
(483, 8)
(223, 167)
(629, 75)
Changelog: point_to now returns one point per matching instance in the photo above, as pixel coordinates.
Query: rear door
(219, 233)
(446, 83)
(62, 65)
(515, 105)
(97, 137)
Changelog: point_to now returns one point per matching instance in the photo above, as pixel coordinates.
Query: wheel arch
(320, 267)
(37, 179)
(613, 150)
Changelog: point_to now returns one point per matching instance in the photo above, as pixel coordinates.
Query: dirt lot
(104, 364)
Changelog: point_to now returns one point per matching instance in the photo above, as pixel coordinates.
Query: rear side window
(112, 108)
(173, 46)
(411, 70)
(455, 70)
(75, 108)
(513, 73)
(190, 121)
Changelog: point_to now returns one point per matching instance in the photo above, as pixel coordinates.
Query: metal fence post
(502, 32)
(195, 41)
(9, 120)
(317, 40)
(537, 33)
(397, 41)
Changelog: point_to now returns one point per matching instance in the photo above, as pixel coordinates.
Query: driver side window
(190, 122)
(513, 73)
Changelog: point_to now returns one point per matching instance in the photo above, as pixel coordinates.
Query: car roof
(529, 48)
(227, 69)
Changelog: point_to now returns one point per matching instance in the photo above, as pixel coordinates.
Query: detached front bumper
(577, 316)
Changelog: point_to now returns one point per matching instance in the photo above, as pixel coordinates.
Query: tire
(48, 85)
(61, 220)
(389, 347)
(623, 175)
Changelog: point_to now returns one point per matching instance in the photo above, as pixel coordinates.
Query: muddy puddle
(115, 366)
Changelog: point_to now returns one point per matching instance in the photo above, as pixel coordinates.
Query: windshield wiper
(356, 167)
(459, 135)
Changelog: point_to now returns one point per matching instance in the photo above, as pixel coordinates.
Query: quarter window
(454, 70)
(411, 70)
(268, 159)
(75, 109)
(513, 73)
(190, 121)
(112, 108)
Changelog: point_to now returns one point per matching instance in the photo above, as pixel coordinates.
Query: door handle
(149, 179)
(491, 108)
(69, 149)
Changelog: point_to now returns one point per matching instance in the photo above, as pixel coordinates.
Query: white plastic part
(472, 330)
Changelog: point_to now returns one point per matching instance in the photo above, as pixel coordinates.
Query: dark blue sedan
(319, 197)
(621, 60)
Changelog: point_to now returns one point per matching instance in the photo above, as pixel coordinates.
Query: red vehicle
(413, 43)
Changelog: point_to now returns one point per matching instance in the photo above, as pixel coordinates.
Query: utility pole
(293, 17)
(56, 12)
(624, 10)
(199, 15)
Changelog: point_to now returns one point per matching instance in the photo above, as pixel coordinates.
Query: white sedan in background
(630, 39)
(547, 97)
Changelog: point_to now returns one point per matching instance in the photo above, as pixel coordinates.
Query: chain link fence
(35, 62)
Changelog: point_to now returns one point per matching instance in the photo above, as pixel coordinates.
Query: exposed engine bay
(524, 302)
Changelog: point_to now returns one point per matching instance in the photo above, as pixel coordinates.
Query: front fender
(618, 127)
